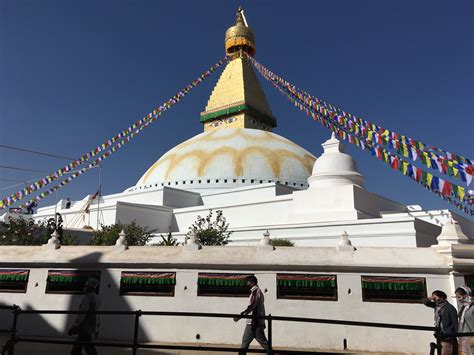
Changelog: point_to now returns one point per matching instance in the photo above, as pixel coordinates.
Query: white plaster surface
(348, 266)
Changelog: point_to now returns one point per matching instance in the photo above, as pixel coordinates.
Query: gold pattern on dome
(274, 157)
(230, 134)
(204, 158)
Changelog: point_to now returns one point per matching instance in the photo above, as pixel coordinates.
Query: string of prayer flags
(122, 137)
(442, 188)
(450, 164)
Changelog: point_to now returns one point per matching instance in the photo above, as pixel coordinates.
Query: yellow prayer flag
(405, 167)
(428, 162)
(461, 192)
(405, 150)
(429, 178)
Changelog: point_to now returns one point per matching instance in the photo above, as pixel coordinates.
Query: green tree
(283, 243)
(21, 231)
(56, 224)
(135, 234)
(211, 231)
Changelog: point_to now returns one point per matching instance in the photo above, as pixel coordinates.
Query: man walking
(255, 326)
(86, 325)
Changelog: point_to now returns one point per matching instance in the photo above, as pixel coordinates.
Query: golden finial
(240, 37)
(238, 17)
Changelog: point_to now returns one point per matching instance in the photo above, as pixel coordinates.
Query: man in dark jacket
(86, 325)
(446, 319)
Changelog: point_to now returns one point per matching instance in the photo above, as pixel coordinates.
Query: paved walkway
(54, 349)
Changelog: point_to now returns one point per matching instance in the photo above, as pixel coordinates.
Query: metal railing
(9, 346)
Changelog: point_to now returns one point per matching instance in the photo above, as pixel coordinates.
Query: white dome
(231, 154)
(335, 167)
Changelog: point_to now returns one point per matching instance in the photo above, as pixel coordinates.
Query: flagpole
(98, 201)
(55, 209)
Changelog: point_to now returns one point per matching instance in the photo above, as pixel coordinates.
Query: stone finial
(266, 242)
(192, 243)
(344, 243)
(451, 233)
(266, 239)
(334, 168)
(333, 145)
(121, 243)
(53, 242)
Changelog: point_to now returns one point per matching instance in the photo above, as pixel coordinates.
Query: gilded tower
(237, 100)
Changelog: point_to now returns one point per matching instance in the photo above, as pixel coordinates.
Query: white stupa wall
(348, 266)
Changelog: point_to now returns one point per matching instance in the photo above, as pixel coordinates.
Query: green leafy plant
(21, 231)
(167, 240)
(135, 234)
(209, 230)
(283, 243)
(68, 239)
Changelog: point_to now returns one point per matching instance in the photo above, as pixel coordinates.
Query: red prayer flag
(447, 188)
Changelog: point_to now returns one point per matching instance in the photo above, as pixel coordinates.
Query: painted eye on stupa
(216, 124)
(230, 119)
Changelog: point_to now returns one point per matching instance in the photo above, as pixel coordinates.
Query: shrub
(168, 240)
(21, 231)
(135, 234)
(283, 242)
(211, 231)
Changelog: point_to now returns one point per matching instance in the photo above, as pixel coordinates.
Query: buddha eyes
(221, 122)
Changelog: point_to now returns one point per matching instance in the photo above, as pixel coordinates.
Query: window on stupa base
(307, 287)
(223, 285)
(147, 283)
(14, 280)
(69, 281)
(393, 289)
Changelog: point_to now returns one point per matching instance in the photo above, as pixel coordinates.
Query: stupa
(259, 179)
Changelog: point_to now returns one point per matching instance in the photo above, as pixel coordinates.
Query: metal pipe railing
(135, 345)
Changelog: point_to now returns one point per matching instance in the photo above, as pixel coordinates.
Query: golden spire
(238, 100)
(240, 37)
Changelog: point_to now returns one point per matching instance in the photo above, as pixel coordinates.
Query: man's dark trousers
(88, 348)
(253, 332)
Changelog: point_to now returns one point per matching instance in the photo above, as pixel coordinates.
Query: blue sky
(74, 73)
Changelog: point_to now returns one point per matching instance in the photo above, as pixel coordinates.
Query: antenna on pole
(243, 16)
(98, 197)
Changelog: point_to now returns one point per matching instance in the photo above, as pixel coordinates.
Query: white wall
(349, 306)
(152, 217)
